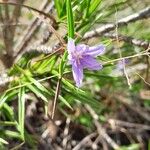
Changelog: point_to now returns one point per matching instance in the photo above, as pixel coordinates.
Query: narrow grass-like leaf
(38, 85)
(93, 6)
(82, 96)
(87, 8)
(7, 96)
(37, 92)
(65, 102)
(130, 147)
(47, 65)
(70, 20)
(21, 110)
(8, 111)
(12, 134)
(60, 8)
(3, 141)
(7, 123)
(38, 89)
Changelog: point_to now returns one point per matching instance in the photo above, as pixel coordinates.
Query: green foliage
(70, 19)
(36, 73)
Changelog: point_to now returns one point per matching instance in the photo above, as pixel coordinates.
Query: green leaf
(80, 95)
(7, 123)
(37, 92)
(3, 141)
(65, 102)
(93, 6)
(21, 110)
(38, 89)
(8, 112)
(70, 20)
(7, 96)
(38, 85)
(60, 5)
(12, 134)
(87, 8)
(130, 147)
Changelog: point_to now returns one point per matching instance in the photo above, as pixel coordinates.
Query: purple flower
(82, 56)
(121, 63)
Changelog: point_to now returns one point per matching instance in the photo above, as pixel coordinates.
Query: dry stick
(16, 15)
(65, 133)
(128, 124)
(128, 39)
(8, 38)
(100, 129)
(95, 143)
(143, 79)
(36, 23)
(56, 97)
(127, 57)
(16, 12)
(34, 10)
(47, 21)
(120, 53)
(136, 109)
(143, 14)
(84, 141)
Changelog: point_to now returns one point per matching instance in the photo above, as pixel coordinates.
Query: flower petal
(90, 63)
(71, 46)
(82, 48)
(77, 73)
(96, 50)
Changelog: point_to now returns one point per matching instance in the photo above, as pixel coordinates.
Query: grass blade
(70, 20)
(21, 110)
(3, 141)
(93, 6)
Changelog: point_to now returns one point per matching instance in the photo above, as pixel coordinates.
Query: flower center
(77, 56)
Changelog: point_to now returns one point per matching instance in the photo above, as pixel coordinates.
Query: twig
(143, 14)
(143, 79)
(134, 108)
(100, 129)
(128, 124)
(84, 141)
(31, 8)
(127, 57)
(51, 28)
(120, 53)
(36, 23)
(56, 97)
(16, 15)
(65, 134)
(128, 39)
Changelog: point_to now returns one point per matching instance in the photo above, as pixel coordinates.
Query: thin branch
(56, 97)
(120, 53)
(66, 133)
(16, 15)
(136, 42)
(127, 57)
(143, 79)
(114, 122)
(84, 141)
(134, 108)
(143, 14)
(31, 8)
(36, 23)
(17, 10)
(100, 129)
